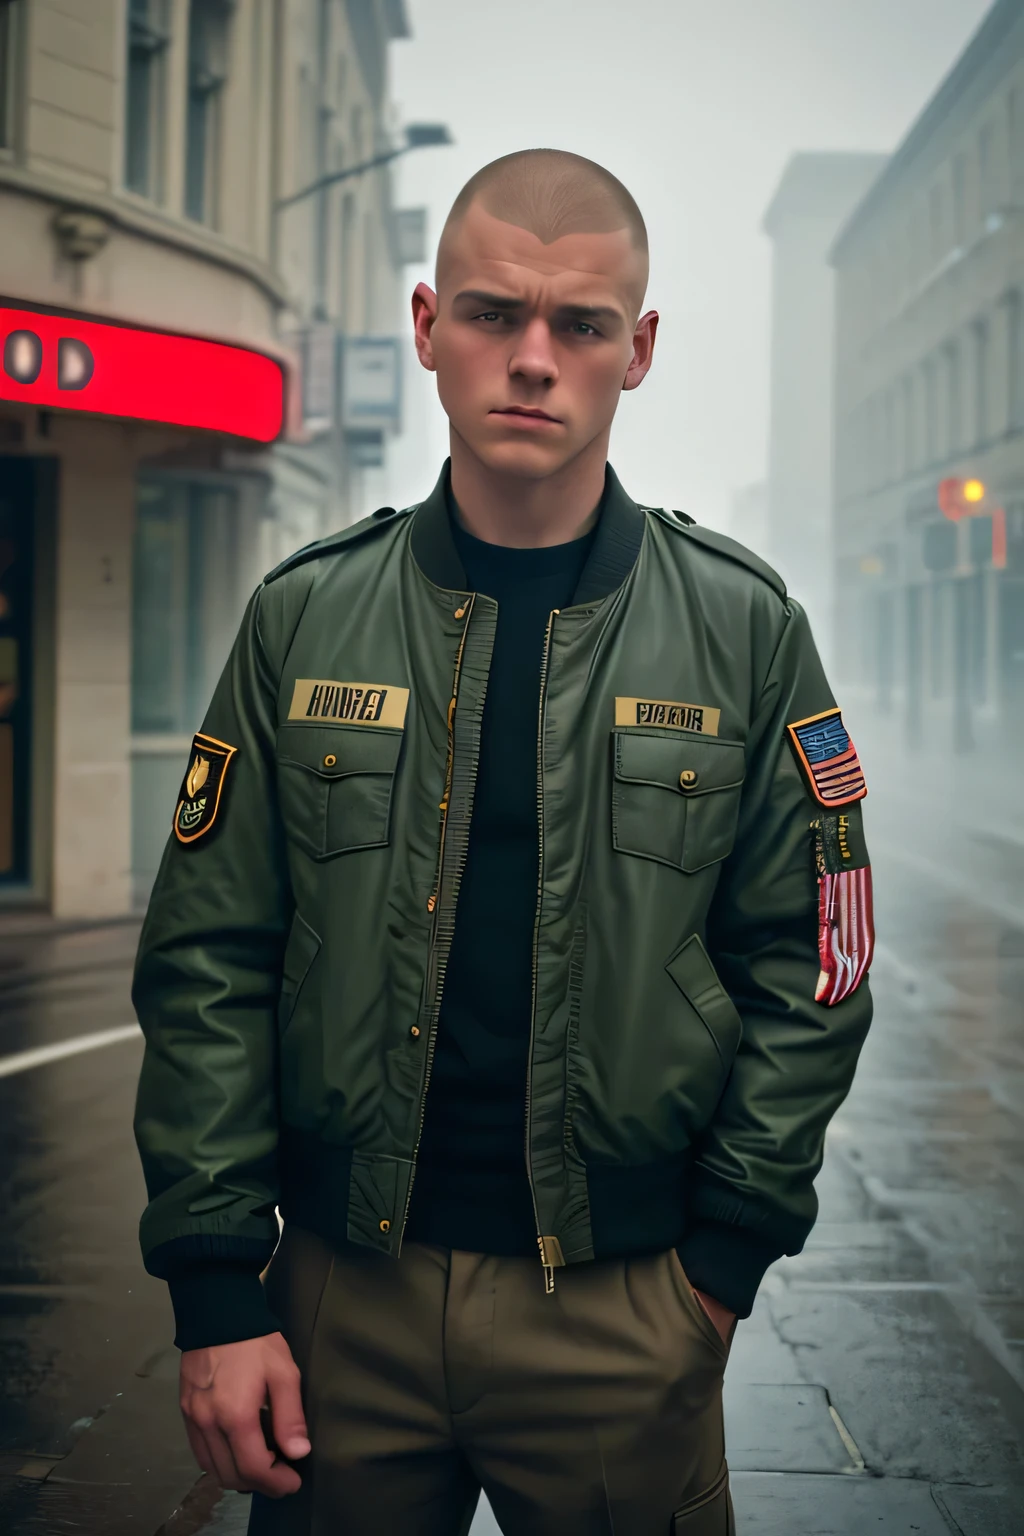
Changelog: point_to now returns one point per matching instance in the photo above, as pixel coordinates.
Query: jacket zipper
(435, 973)
(550, 1248)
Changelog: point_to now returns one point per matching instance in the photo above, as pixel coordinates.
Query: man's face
(533, 344)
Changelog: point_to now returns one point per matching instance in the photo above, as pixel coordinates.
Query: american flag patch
(846, 933)
(829, 758)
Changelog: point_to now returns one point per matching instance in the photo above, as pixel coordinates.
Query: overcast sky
(696, 105)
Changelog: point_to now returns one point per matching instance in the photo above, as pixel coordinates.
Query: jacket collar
(620, 532)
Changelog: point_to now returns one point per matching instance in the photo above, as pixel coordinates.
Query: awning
(56, 358)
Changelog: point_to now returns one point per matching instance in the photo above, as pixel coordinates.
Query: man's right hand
(222, 1391)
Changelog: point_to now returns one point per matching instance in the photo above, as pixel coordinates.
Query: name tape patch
(354, 703)
(829, 758)
(664, 712)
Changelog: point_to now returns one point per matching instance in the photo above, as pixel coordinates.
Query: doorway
(17, 621)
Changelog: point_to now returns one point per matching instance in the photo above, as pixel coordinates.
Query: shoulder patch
(202, 787)
(828, 758)
(721, 544)
(335, 541)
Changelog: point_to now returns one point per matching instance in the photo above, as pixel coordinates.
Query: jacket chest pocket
(335, 784)
(675, 796)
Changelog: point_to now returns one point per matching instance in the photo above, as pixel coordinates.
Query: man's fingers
(287, 1418)
(256, 1465)
(198, 1447)
(224, 1468)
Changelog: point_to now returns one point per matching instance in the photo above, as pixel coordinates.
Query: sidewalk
(36, 949)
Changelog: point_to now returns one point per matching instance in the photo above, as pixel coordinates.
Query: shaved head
(535, 328)
(551, 193)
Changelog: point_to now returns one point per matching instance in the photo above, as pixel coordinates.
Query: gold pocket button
(688, 778)
(385, 1226)
(330, 760)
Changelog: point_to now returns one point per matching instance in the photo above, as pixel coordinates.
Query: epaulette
(334, 541)
(723, 545)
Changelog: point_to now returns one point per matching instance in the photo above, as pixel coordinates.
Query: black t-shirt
(471, 1190)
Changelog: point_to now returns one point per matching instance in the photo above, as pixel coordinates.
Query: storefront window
(16, 590)
(185, 556)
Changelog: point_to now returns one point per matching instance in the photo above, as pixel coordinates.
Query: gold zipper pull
(551, 1259)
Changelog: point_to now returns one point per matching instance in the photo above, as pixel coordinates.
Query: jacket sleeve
(773, 938)
(206, 984)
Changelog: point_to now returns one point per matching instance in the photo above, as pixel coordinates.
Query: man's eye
(584, 328)
(490, 314)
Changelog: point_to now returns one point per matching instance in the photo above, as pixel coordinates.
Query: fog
(697, 108)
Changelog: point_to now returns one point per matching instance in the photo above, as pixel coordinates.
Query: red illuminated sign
(53, 359)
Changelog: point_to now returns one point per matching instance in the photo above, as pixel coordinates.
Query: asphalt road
(879, 1385)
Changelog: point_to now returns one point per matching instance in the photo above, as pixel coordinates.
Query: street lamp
(417, 136)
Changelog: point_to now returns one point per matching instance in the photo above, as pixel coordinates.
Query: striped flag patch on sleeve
(829, 758)
(846, 933)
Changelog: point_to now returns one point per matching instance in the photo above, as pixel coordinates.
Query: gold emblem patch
(353, 703)
(202, 787)
(672, 716)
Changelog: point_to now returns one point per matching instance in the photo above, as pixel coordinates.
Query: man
(511, 941)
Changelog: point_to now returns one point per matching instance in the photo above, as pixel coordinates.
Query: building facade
(815, 196)
(929, 495)
(150, 153)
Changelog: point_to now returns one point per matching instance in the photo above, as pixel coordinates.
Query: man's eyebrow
(492, 300)
(590, 311)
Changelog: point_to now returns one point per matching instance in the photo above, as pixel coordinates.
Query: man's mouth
(526, 412)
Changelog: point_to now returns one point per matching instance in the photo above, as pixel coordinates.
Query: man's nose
(533, 358)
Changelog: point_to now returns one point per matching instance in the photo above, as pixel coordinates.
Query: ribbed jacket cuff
(219, 1305)
(727, 1262)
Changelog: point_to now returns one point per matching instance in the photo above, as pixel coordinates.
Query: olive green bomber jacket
(693, 837)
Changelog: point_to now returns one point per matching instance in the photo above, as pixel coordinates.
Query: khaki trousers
(594, 1411)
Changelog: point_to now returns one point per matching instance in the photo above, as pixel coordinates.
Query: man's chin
(523, 460)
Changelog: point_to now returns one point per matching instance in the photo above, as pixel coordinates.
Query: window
(909, 426)
(931, 414)
(1015, 133)
(1015, 363)
(986, 173)
(959, 198)
(10, 12)
(936, 221)
(981, 358)
(185, 559)
(348, 225)
(954, 401)
(144, 107)
(208, 22)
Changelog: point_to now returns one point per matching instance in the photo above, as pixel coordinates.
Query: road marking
(22, 1061)
(852, 1449)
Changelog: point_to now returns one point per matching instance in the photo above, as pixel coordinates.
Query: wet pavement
(878, 1386)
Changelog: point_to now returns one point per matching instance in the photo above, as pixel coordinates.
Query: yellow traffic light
(974, 490)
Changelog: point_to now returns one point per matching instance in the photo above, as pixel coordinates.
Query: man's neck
(528, 514)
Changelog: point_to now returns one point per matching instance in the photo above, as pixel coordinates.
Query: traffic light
(968, 497)
(961, 498)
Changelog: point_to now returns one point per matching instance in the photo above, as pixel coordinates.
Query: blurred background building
(150, 156)
(929, 414)
(814, 198)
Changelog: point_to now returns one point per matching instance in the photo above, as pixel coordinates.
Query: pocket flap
(652, 757)
(336, 750)
(299, 952)
(691, 970)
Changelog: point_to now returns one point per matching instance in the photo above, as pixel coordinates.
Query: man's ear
(424, 313)
(643, 349)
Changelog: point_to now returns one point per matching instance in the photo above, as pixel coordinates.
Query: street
(878, 1386)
